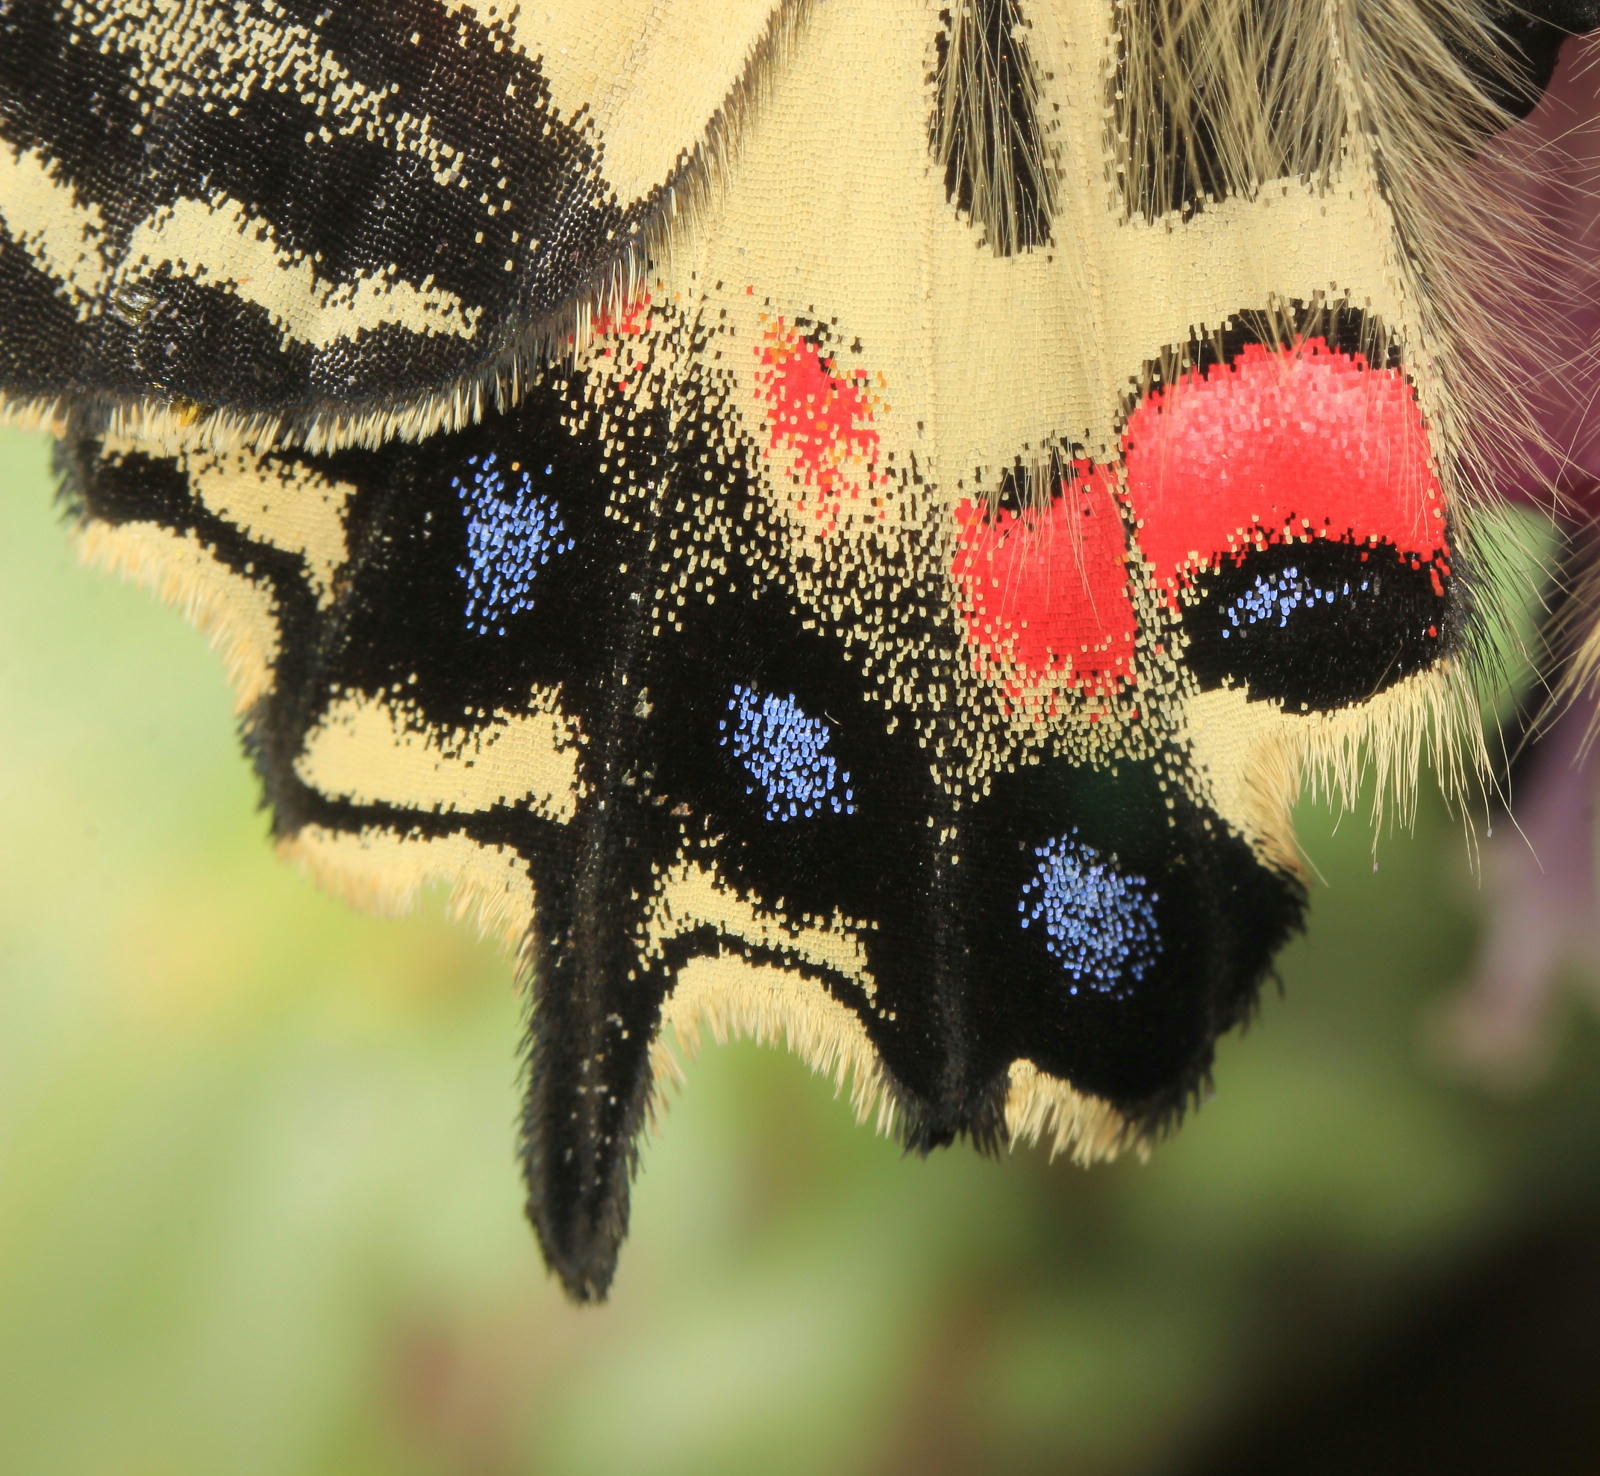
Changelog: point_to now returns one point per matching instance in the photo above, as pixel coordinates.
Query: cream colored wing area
(954, 363)
(1250, 758)
(691, 896)
(60, 234)
(290, 507)
(650, 76)
(218, 242)
(382, 871)
(728, 996)
(286, 505)
(1043, 1108)
(981, 356)
(238, 615)
(380, 750)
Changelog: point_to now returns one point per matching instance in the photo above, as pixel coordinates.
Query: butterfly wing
(897, 622)
(333, 215)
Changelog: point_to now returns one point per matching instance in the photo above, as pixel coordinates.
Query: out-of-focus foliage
(259, 1214)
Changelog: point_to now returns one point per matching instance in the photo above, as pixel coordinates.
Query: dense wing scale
(343, 218)
(899, 621)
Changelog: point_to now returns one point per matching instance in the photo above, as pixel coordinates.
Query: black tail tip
(580, 1253)
(978, 1116)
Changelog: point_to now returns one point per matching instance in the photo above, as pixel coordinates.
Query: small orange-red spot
(632, 321)
(822, 417)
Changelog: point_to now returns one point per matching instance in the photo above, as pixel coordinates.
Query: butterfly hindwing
(852, 541)
(517, 656)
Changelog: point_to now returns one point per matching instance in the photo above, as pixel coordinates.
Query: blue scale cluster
(1099, 923)
(786, 752)
(1273, 598)
(513, 531)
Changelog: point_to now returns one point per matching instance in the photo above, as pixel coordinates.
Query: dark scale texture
(962, 987)
(1317, 625)
(987, 130)
(445, 157)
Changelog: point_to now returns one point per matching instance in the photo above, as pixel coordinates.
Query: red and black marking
(1276, 494)
(646, 663)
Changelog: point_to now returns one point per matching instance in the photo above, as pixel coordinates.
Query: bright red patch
(824, 418)
(1280, 445)
(1046, 590)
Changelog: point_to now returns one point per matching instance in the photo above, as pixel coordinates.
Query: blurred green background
(259, 1214)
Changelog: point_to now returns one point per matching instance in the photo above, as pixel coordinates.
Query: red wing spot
(1280, 445)
(608, 331)
(632, 322)
(824, 418)
(1046, 590)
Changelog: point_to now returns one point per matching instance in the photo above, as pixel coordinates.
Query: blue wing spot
(786, 752)
(1273, 598)
(1099, 923)
(512, 532)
